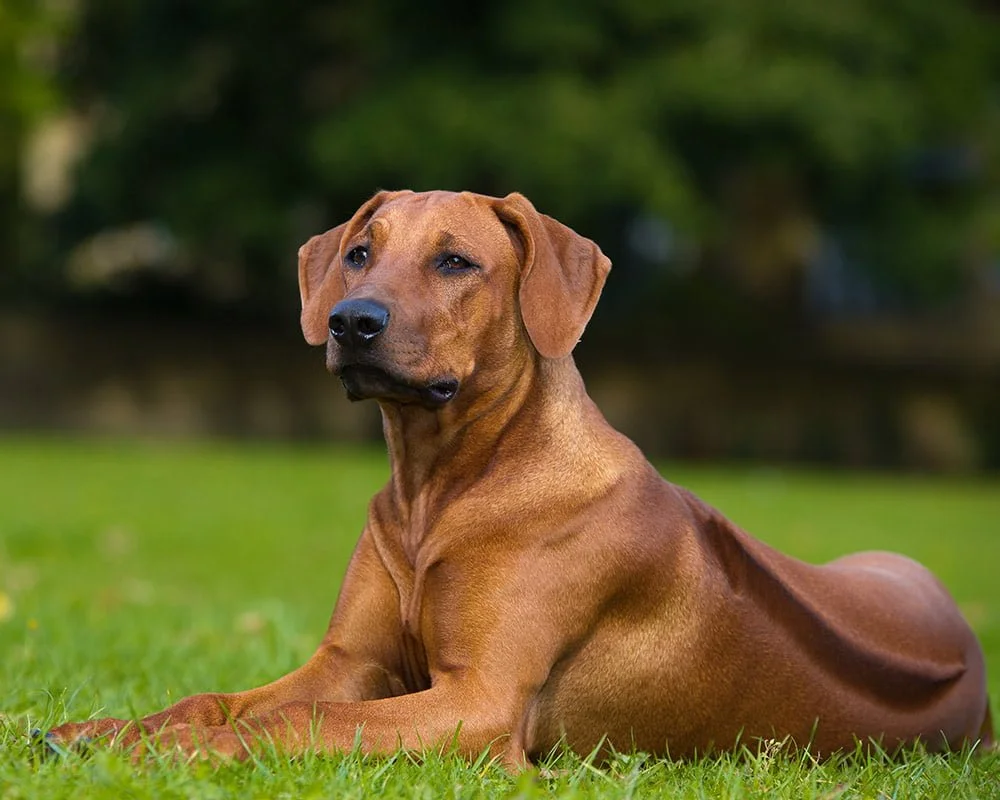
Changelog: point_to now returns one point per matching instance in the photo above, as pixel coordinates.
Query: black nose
(357, 322)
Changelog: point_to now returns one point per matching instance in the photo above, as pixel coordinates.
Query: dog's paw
(192, 743)
(80, 737)
(47, 745)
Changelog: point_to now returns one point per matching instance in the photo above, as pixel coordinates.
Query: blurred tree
(29, 33)
(230, 131)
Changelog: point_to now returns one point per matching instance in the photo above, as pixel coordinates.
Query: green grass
(133, 574)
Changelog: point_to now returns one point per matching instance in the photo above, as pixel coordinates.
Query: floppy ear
(321, 282)
(562, 275)
(321, 275)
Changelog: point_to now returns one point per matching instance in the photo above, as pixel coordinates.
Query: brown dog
(526, 576)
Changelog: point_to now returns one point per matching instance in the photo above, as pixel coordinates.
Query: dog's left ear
(562, 275)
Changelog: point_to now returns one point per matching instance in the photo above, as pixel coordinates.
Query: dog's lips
(367, 381)
(443, 390)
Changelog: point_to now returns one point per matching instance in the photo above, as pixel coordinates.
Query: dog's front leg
(459, 715)
(331, 674)
(357, 661)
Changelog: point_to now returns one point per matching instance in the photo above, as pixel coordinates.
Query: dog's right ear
(321, 282)
(321, 274)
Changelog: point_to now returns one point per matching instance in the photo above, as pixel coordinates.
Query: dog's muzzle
(355, 325)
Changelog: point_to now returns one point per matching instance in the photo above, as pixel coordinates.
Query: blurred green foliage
(236, 130)
(29, 91)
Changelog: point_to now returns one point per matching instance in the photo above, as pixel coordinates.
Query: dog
(526, 579)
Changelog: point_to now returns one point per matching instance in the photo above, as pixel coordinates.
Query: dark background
(801, 201)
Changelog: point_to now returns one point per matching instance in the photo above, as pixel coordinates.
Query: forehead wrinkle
(424, 220)
(447, 240)
(378, 230)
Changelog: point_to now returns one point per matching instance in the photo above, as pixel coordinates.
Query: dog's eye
(357, 257)
(455, 263)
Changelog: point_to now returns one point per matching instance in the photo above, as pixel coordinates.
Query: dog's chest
(414, 663)
(412, 644)
(412, 557)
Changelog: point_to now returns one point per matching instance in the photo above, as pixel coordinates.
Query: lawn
(134, 573)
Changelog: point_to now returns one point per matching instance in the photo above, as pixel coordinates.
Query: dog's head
(419, 295)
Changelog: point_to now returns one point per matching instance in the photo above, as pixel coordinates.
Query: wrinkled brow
(452, 241)
(377, 231)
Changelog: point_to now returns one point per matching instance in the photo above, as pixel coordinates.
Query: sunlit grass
(132, 574)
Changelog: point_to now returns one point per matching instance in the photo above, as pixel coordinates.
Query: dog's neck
(436, 455)
(425, 444)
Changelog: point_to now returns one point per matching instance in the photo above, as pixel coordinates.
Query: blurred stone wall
(163, 378)
(213, 377)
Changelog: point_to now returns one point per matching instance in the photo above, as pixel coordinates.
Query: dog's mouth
(364, 382)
